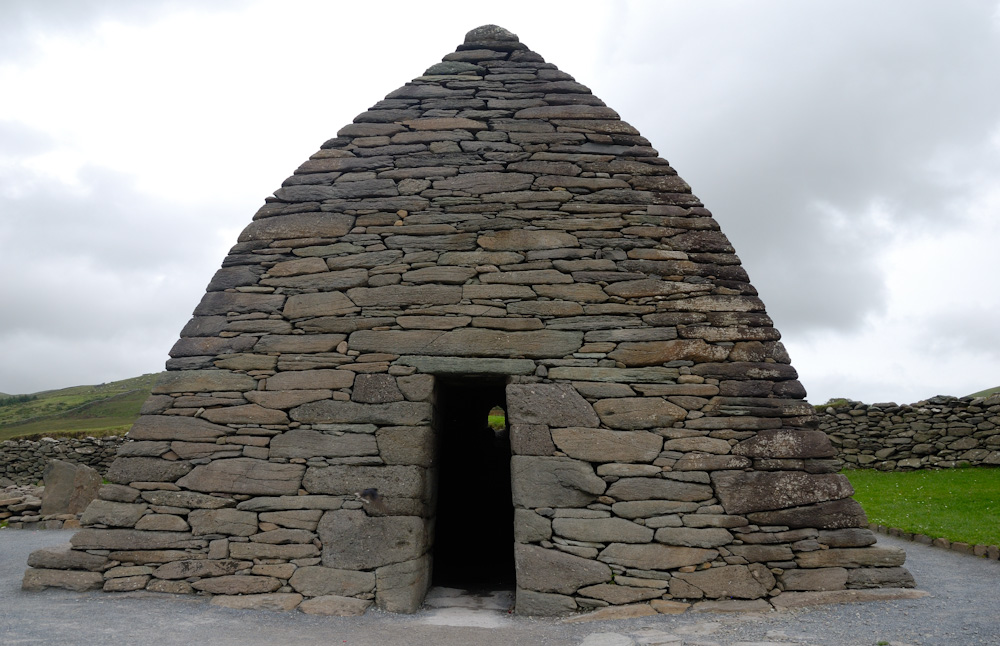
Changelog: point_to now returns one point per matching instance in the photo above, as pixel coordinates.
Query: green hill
(986, 393)
(104, 409)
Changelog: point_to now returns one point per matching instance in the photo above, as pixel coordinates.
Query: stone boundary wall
(23, 461)
(940, 432)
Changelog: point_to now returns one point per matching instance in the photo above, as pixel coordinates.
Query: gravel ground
(963, 609)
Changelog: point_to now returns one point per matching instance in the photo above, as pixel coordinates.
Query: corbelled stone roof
(491, 218)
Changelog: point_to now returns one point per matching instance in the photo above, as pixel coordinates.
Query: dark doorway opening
(474, 530)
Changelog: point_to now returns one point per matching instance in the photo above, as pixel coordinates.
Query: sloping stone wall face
(22, 462)
(941, 432)
(491, 218)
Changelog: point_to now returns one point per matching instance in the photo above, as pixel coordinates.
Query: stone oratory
(489, 234)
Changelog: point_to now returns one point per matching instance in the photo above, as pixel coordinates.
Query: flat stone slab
(788, 600)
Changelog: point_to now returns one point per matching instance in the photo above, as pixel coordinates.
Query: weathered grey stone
(173, 427)
(632, 413)
(376, 389)
(825, 515)
(311, 379)
(237, 584)
(553, 482)
(549, 404)
(283, 536)
(602, 530)
(302, 443)
(832, 578)
(529, 527)
(200, 381)
(334, 606)
(655, 353)
(36, 579)
(318, 304)
(63, 557)
(545, 570)
(186, 499)
(126, 470)
(199, 568)
(318, 581)
(524, 240)
(267, 551)
(393, 414)
(416, 388)
(530, 603)
(531, 439)
(348, 535)
(694, 537)
(466, 366)
(731, 581)
(852, 557)
(402, 295)
(129, 539)
(69, 487)
(619, 594)
(227, 521)
(741, 492)
(655, 556)
(786, 444)
(468, 342)
(273, 601)
(401, 587)
(245, 476)
(878, 577)
(113, 514)
(246, 414)
(658, 489)
(295, 519)
(391, 481)
(761, 553)
(601, 445)
(406, 445)
(650, 508)
(787, 600)
(698, 445)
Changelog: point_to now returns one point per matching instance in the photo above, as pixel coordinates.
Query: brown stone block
(711, 463)
(231, 522)
(302, 443)
(310, 379)
(319, 304)
(246, 414)
(207, 345)
(221, 303)
(655, 556)
(273, 602)
(549, 404)
(401, 295)
(126, 539)
(245, 551)
(654, 353)
(299, 342)
(63, 557)
(199, 568)
(126, 470)
(544, 570)
(468, 342)
(348, 535)
(236, 584)
(746, 370)
(787, 600)
(394, 481)
(346, 412)
(825, 515)
(524, 240)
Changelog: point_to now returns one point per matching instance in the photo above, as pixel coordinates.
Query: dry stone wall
(941, 432)
(22, 462)
(490, 220)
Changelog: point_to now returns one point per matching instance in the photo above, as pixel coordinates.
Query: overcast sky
(849, 149)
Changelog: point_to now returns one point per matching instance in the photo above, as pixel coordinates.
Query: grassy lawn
(957, 504)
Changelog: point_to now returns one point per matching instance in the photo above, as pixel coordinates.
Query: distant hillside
(986, 393)
(104, 409)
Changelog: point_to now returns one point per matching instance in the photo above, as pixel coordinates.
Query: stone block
(655, 556)
(246, 551)
(602, 445)
(245, 476)
(126, 470)
(529, 527)
(273, 602)
(631, 413)
(348, 534)
(302, 443)
(199, 568)
(693, 537)
(469, 342)
(376, 389)
(311, 380)
(852, 557)
(113, 514)
(126, 583)
(602, 530)
(174, 427)
(334, 606)
(344, 412)
(656, 353)
(731, 581)
(63, 557)
(228, 521)
(619, 594)
(129, 539)
(880, 577)
(318, 581)
(635, 489)
(401, 587)
(531, 439)
(788, 600)
(186, 499)
(391, 481)
(69, 487)
(245, 414)
(786, 443)
(36, 579)
(237, 584)
(553, 482)
(831, 578)
(300, 306)
(545, 570)
(200, 381)
(405, 445)
(741, 492)
(825, 515)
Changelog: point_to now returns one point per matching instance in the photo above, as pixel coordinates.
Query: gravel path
(963, 610)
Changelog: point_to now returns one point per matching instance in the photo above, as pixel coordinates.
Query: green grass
(105, 409)
(957, 504)
(986, 393)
